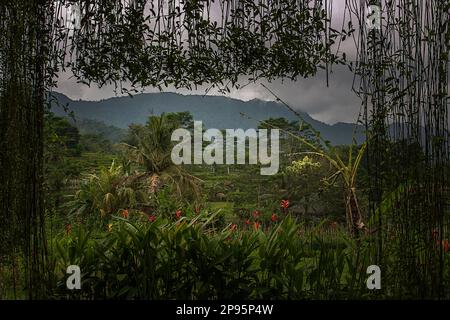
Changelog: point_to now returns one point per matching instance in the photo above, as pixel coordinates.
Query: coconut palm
(152, 150)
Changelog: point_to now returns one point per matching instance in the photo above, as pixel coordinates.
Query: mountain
(215, 112)
(109, 132)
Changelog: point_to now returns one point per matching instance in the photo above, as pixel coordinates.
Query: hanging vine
(402, 68)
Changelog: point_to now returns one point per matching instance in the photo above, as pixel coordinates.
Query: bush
(190, 259)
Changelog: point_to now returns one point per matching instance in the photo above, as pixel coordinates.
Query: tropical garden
(139, 226)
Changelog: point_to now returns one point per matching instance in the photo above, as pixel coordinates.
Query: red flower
(151, 218)
(284, 204)
(247, 222)
(274, 217)
(197, 209)
(125, 213)
(255, 214)
(256, 225)
(178, 214)
(233, 227)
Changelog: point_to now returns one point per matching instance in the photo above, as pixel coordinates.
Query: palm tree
(346, 171)
(152, 150)
(104, 194)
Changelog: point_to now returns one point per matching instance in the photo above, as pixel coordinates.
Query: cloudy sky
(335, 103)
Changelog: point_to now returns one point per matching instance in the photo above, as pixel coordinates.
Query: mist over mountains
(215, 112)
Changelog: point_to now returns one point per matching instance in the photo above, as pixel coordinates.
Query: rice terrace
(224, 149)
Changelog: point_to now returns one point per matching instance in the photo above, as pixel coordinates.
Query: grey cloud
(335, 103)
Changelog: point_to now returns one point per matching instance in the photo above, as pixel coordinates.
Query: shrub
(191, 259)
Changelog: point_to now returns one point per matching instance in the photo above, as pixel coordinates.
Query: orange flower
(274, 217)
(178, 214)
(151, 218)
(247, 221)
(256, 225)
(233, 227)
(125, 213)
(284, 204)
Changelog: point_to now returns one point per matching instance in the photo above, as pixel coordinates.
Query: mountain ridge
(215, 112)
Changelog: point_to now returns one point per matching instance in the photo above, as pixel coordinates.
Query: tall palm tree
(346, 171)
(152, 150)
